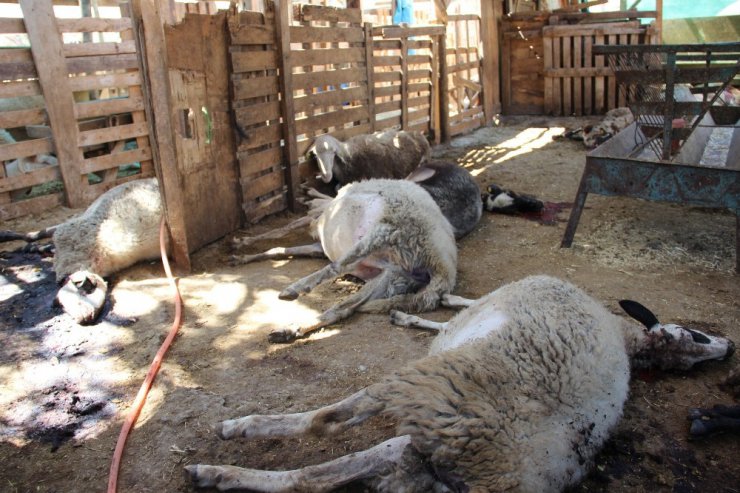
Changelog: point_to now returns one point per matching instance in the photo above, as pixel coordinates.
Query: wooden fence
(548, 66)
(321, 70)
(577, 82)
(73, 94)
(463, 64)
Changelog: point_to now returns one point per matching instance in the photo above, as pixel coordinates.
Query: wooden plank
(308, 34)
(612, 81)
(114, 160)
(338, 96)
(27, 207)
(21, 118)
(53, 78)
(260, 136)
(604, 29)
(408, 32)
(259, 162)
(567, 82)
(12, 26)
(599, 101)
(556, 83)
(444, 91)
(257, 113)
(587, 78)
(26, 148)
(285, 36)
(102, 63)
(93, 24)
(330, 14)
(27, 180)
(20, 89)
(491, 15)
(251, 61)
(388, 106)
(97, 49)
(332, 119)
(255, 87)
(112, 134)
(328, 78)
(262, 185)
(254, 34)
(388, 76)
(577, 80)
(103, 107)
(90, 82)
(146, 20)
(549, 83)
(329, 56)
(265, 208)
(405, 77)
(369, 73)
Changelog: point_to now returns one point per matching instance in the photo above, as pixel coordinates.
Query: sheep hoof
(82, 296)
(282, 336)
(288, 294)
(399, 318)
(200, 476)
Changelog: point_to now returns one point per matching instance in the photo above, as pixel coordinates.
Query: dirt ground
(66, 388)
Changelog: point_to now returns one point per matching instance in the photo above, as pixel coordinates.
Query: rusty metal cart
(661, 156)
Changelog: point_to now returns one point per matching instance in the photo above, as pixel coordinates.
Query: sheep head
(326, 148)
(671, 346)
(82, 296)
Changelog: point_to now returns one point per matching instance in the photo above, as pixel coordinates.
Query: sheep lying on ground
(119, 229)
(614, 122)
(518, 393)
(451, 186)
(389, 233)
(386, 154)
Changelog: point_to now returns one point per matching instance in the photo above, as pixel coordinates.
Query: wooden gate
(73, 90)
(464, 74)
(577, 82)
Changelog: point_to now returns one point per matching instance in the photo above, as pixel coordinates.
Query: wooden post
(444, 91)
(491, 12)
(285, 65)
(48, 55)
(152, 48)
(369, 69)
(404, 81)
(659, 21)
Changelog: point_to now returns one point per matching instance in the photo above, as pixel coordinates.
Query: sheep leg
(274, 234)
(406, 320)
(330, 419)
(454, 301)
(27, 237)
(314, 250)
(375, 461)
(719, 418)
(371, 290)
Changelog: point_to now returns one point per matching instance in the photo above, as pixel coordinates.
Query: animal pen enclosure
(232, 118)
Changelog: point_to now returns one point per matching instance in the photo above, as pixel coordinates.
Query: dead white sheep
(385, 154)
(389, 233)
(119, 229)
(518, 393)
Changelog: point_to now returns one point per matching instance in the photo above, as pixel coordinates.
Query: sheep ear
(420, 174)
(639, 313)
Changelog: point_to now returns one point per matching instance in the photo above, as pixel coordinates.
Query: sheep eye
(698, 337)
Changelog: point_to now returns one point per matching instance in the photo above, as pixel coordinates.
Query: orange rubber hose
(153, 369)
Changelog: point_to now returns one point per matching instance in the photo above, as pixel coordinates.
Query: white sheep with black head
(518, 393)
